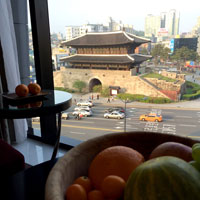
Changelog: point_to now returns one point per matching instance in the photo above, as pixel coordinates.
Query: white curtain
(8, 42)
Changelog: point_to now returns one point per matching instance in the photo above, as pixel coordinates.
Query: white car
(82, 108)
(114, 115)
(35, 119)
(83, 112)
(84, 103)
(65, 115)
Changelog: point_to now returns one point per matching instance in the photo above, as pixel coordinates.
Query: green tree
(105, 92)
(80, 85)
(144, 51)
(183, 54)
(160, 52)
(97, 88)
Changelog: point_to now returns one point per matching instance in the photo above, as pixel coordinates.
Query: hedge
(191, 96)
(143, 98)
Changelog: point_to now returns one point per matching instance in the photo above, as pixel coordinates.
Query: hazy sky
(77, 12)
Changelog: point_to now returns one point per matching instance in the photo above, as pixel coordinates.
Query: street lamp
(125, 102)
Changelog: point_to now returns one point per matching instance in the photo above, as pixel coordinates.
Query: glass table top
(50, 102)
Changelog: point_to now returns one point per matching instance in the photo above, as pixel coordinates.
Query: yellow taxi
(151, 117)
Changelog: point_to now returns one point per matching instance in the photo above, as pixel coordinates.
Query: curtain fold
(10, 58)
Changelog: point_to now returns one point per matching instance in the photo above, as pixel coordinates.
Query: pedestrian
(98, 96)
(108, 100)
(112, 98)
(75, 101)
(92, 97)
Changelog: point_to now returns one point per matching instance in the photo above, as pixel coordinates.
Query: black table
(52, 102)
(28, 184)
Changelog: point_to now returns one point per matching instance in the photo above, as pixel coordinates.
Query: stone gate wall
(128, 83)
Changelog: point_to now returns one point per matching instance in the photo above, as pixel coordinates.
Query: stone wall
(173, 75)
(164, 85)
(128, 83)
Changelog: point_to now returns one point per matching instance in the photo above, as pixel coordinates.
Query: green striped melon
(163, 178)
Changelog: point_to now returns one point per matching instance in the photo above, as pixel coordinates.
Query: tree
(79, 85)
(144, 51)
(183, 54)
(97, 88)
(160, 52)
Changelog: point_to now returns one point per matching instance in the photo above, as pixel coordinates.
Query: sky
(78, 12)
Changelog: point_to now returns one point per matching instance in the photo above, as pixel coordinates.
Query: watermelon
(163, 178)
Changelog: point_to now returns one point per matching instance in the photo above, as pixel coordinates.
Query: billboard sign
(171, 45)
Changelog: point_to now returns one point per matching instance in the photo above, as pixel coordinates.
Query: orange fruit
(34, 88)
(21, 90)
(76, 192)
(95, 195)
(85, 182)
(115, 160)
(113, 187)
(36, 104)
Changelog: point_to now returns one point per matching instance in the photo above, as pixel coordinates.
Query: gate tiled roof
(103, 59)
(106, 39)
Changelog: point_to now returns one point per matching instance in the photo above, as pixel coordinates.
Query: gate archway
(93, 83)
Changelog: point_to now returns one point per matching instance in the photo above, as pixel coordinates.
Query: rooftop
(106, 39)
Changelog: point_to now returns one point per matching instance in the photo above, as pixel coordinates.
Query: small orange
(85, 182)
(75, 192)
(95, 195)
(113, 187)
(115, 160)
(36, 104)
(34, 88)
(21, 90)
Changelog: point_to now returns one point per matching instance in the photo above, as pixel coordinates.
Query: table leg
(58, 137)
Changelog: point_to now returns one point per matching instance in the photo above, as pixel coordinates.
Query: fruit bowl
(76, 162)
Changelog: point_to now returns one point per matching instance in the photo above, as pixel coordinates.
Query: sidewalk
(184, 105)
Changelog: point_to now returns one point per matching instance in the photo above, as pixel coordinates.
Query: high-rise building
(111, 25)
(167, 22)
(152, 24)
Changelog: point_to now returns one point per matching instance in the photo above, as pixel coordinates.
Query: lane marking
(90, 128)
(187, 125)
(132, 128)
(80, 121)
(167, 112)
(77, 133)
(188, 117)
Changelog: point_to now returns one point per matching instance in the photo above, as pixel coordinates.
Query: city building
(152, 25)
(190, 43)
(167, 24)
(57, 54)
(110, 25)
(196, 29)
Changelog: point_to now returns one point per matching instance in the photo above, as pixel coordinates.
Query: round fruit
(85, 182)
(112, 187)
(195, 164)
(95, 195)
(76, 192)
(34, 88)
(196, 144)
(115, 160)
(21, 90)
(172, 149)
(36, 104)
(196, 153)
(165, 177)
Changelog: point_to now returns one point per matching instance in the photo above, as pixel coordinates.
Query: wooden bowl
(76, 162)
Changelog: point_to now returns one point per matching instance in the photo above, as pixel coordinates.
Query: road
(179, 122)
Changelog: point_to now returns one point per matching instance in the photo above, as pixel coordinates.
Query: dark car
(119, 109)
